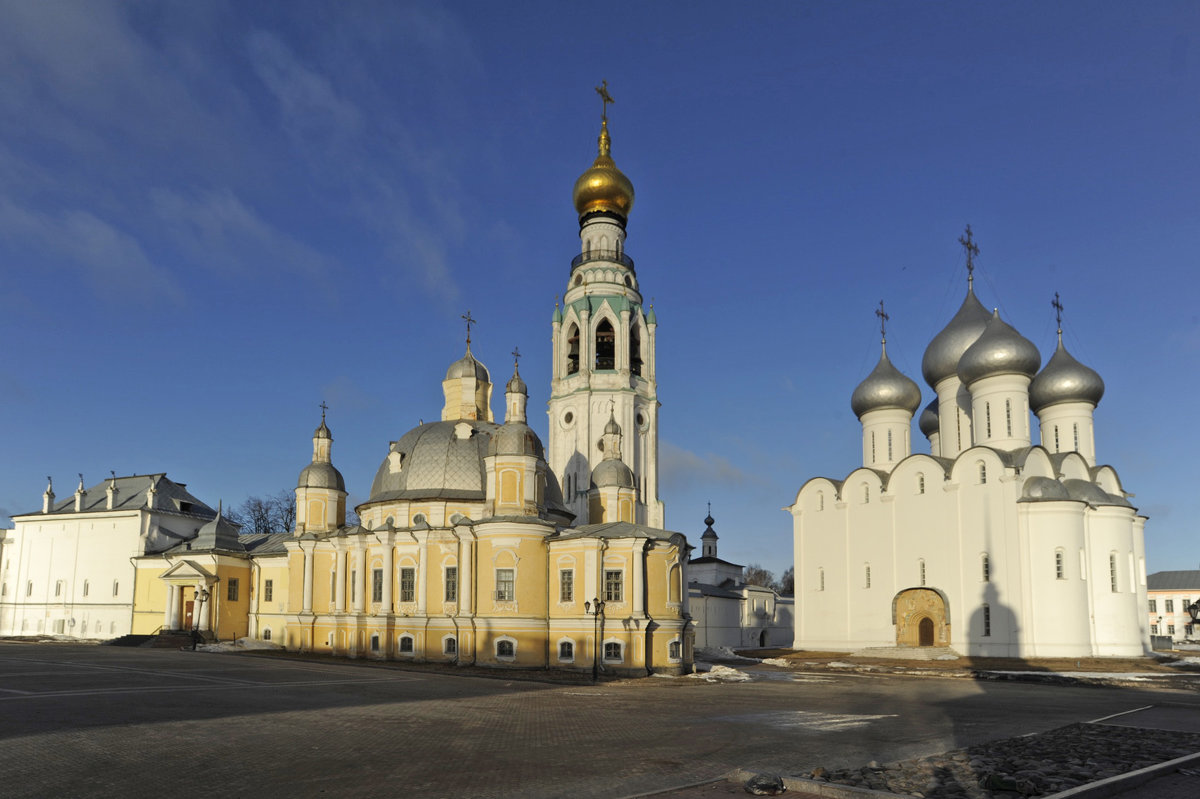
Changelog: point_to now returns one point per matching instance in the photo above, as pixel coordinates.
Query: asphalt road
(101, 721)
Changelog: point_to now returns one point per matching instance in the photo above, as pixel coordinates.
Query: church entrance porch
(921, 617)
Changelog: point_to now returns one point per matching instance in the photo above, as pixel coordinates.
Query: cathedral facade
(990, 545)
(476, 545)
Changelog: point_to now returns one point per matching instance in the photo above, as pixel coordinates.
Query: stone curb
(1123, 782)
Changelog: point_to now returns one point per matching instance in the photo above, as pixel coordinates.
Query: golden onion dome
(603, 187)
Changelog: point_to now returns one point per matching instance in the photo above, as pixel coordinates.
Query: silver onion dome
(885, 387)
(467, 366)
(942, 354)
(1064, 380)
(516, 385)
(612, 472)
(929, 419)
(999, 350)
(321, 475)
(516, 438)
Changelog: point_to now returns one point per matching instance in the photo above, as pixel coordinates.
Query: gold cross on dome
(605, 99)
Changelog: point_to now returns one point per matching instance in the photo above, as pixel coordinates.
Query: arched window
(1060, 567)
(375, 643)
(1008, 416)
(985, 568)
(635, 349)
(867, 576)
(450, 645)
(820, 500)
(566, 651)
(987, 416)
(613, 652)
(406, 645)
(573, 349)
(920, 483)
(606, 346)
(675, 650)
(506, 648)
(1075, 429)
(86, 587)
(921, 570)
(820, 579)
(982, 472)
(987, 620)
(1112, 571)
(872, 445)
(866, 493)
(1056, 438)
(675, 586)
(266, 634)
(889, 444)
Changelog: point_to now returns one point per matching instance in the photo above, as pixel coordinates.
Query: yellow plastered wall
(149, 597)
(276, 569)
(232, 616)
(293, 585)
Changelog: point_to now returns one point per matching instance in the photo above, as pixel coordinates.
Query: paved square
(103, 721)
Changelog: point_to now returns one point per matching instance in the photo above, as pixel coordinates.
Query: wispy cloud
(113, 260)
(221, 232)
(681, 468)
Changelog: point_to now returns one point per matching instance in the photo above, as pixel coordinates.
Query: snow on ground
(1097, 675)
(1186, 662)
(781, 662)
(723, 653)
(240, 645)
(722, 674)
(946, 657)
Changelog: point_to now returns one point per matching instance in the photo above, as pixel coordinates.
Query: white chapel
(989, 545)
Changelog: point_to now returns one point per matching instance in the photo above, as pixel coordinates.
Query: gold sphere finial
(603, 187)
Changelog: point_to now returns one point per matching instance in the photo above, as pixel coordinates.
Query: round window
(641, 420)
(568, 417)
(579, 280)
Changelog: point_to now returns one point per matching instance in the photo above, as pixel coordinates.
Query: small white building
(1170, 594)
(990, 544)
(67, 569)
(726, 612)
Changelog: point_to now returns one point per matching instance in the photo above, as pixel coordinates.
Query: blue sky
(213, 216)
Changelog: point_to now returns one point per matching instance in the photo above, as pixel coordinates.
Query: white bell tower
(604, 348)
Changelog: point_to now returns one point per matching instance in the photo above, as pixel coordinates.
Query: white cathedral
(990, 545)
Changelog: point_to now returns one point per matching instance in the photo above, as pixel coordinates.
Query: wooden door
(925, 632)
(188, 607)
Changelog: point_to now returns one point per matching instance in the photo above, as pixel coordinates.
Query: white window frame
(558, 650)
(505, 639)
(677, 644)
(506, 577)
(412, 645)
(620, 648)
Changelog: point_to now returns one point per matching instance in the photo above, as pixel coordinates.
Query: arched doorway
(921, 618)
(762, 639)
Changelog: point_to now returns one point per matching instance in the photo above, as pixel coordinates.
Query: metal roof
(1174, 581)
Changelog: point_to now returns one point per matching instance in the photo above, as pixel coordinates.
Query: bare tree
(787, 583)
(261, 515)
(757, 575)
(284, 507)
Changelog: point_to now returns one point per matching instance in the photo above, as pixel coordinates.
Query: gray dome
(929, 419)
(942, 354)
(323, 431)
(885, 387)
(1089, 492)
(516, 438)
(435, 463)
(1044, 489)
(1064, 380)
(612, 472)
(321, 475)
(516, 385)
(612, 428)
(1000, 350)
(467, 366)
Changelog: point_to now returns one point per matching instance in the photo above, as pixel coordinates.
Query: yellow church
(475, 546)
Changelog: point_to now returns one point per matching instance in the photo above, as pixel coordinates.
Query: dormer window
(573, 350)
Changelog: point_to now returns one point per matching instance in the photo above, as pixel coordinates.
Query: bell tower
(603, 338)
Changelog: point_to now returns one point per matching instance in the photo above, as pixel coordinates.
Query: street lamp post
(1193, 610)
(596, 609)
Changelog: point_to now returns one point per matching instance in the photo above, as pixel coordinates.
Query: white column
(308, 577)
(339, 602)
(466, 577)
(638, 607)
(388, 576)
(422, 572)
(360, 577)
(169, 613)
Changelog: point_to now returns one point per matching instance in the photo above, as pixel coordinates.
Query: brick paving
(100, 721)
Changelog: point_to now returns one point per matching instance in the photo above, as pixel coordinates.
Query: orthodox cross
(1058, 309)
(972, 250)
(516, 353)
(323, 408)
(883, 319)
(467, 318)
(605, 99)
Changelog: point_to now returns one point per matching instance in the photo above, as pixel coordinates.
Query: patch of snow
(668, 676)
(1186, 662)
(837, 664)
(1101, 675)
(947, 656)
(808, 720)
(702, 665)
(781, 662)
(723, 653)
(723, 674)
(240, 645)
